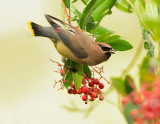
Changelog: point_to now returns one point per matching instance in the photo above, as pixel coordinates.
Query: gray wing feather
(74, 45)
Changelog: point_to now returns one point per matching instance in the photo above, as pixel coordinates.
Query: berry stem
(66, 13)
(99, 72)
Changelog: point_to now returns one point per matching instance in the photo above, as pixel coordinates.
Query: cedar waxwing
(73, 43)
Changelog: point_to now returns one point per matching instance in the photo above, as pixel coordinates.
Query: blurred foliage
(123, 86)
(148, 12)
(149, 70)
(124, 6)
(129, 106)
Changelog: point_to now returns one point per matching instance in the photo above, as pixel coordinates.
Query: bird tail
(38, 30)
(35, 29)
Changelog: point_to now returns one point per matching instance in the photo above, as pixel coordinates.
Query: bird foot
(72, 69)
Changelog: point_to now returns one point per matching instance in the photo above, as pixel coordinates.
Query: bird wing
(73, 38)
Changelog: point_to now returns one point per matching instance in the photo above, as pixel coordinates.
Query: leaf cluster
(89, 20)
(148, 12)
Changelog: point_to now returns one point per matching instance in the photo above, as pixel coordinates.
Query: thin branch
(66, 13)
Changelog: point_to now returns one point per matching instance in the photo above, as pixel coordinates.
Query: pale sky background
(27, 75)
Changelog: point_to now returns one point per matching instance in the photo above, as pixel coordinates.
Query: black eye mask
(104, 48)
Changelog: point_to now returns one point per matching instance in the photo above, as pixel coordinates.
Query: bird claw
(68, 66)
(72, 69)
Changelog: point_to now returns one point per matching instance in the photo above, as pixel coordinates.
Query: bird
(73, 43)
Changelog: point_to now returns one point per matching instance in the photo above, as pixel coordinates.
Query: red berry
(125, 100)
(84, 97)
(95, 80)
(70, 91)
(79, 91)
(101, 97)
(84, 81)
(72, 85)
(91, 84)
(93, 95)
(138, 98)
(97, 90)
(101, 85)
(96, 95)
(88, 92)
(92, 99)
(74, 91)
(92, 89)
(84, 89)
(134, 112)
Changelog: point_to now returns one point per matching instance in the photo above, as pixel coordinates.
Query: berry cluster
(148, 103)
(90, 89)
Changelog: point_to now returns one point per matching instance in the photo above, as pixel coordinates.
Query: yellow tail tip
(30, 27)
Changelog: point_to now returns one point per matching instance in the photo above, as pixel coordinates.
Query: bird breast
(63, 50)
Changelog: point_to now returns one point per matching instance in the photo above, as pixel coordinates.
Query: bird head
(106, 48)
(99, 52)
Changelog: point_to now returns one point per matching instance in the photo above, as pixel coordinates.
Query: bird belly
(64, 51)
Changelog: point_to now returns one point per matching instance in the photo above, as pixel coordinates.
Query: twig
(101, 77)
(65, 11)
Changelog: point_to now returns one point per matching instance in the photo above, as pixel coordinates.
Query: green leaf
(144, 66)
(91, 25)
(101, 7)
(148, 11)
(67, 3)
(74, 1)
(102, 37)
(118, 83)
(148, 45)
(120, 45)
(68, 62)
(147, 75)
(85, 1)
(100, 29)
(123, 6)
(75, 11)
(154, 25)
(129, 84)
(98, 22)
(69, 79)
(73, 18)
(139, 8)
(67, 74)
(113, 38)
(151, 9)
(77, 76)
(107, 38)
(132, 1)
(123, 86)
(114, 41)
(129, 106)
(86, 14)
(87, 71)
(144, 70)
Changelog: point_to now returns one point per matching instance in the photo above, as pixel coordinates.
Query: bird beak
(113, 51)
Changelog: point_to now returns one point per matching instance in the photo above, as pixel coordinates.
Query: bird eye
(72, 31)
(105, 48)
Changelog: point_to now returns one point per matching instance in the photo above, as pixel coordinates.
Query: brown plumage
(73, 43)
